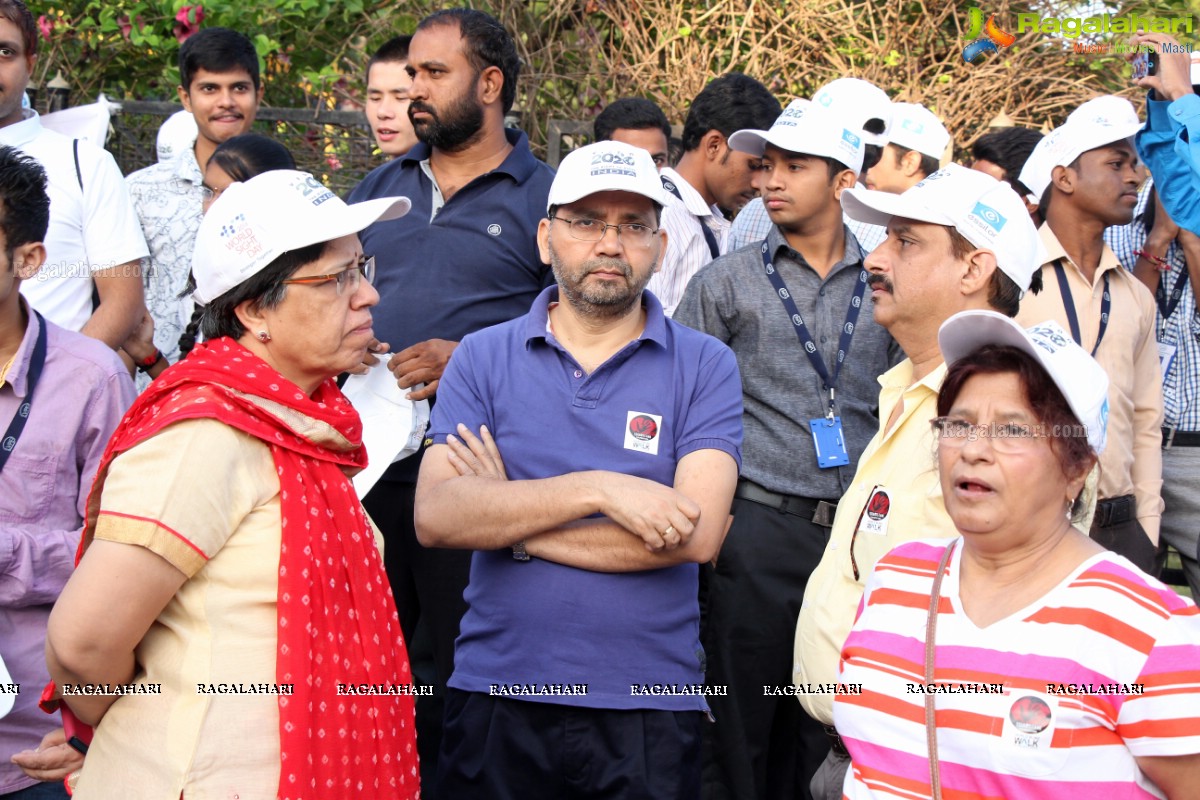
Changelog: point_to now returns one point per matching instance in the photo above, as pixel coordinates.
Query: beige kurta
(206, 498)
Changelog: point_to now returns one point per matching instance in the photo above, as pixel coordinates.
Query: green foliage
(130, 48)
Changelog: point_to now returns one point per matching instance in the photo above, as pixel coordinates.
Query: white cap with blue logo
(1082, 381)
(809, 129)
(916, 127)
(987, 213)
(606, 167)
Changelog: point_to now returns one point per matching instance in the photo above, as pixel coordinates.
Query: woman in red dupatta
(288, 296)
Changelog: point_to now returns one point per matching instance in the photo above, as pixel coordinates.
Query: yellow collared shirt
(903, 464)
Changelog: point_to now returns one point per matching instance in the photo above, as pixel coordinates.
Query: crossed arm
(465, 500)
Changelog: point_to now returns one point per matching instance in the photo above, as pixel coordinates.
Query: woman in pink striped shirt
(1021, 660)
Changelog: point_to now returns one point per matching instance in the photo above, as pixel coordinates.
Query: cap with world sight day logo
(253, 223)
(807, 128)
(857, 102)
(605, 167)
(987, 213)
(916, 127)
(1082, 381)
(1099, 121)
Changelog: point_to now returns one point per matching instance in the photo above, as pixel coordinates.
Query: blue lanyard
(1069, 305)
(1167, 303)
(709, 237)
(22, 416)
(806, 340)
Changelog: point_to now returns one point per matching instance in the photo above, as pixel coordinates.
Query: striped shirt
(1181, 384)
(752, 225)
(1056, 700)
(687, 247)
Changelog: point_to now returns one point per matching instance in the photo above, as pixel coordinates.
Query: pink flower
(333, 161)
(125, 26)
(187, 21)
(46, 26)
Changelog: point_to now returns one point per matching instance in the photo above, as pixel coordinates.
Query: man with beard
(464, 259)
(579, 671)
(1084, 173)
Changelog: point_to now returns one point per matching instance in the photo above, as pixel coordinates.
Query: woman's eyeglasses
(346, 280)
(1007, 437)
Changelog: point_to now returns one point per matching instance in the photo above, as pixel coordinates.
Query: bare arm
(121, 304)
(1175, 775)
(1158, 240)
(104, 611)
(478, 509)
(709, 476)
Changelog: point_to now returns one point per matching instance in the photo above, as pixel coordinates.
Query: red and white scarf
(337, 619)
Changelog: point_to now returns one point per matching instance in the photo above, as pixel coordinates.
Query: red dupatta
(337, 618)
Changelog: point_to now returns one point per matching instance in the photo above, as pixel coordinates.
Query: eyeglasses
(208, 194)
(1008, 437)
(634, 234)
(347, 279)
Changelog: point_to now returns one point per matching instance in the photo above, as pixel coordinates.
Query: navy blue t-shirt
(473, 265)
(671, 392)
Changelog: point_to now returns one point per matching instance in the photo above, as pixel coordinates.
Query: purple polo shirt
(669, 393)
(82, 394)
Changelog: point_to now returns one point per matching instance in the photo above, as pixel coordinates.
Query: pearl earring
(264, 337)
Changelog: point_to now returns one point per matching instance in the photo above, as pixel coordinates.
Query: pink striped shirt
(1054, 701)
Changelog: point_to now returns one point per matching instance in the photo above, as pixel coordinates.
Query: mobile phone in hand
(1145, 65)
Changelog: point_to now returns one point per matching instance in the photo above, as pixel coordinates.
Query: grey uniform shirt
(733, 300)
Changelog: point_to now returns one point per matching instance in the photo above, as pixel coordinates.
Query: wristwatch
(519, 553)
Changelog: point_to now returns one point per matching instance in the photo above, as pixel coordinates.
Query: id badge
(829, 442)
(1166, 356)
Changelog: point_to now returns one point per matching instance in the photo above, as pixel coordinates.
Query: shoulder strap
(78, 171)
(935, 776)
(709, 237)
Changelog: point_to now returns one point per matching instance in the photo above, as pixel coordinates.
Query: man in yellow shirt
(957, 240)
(1084, 175)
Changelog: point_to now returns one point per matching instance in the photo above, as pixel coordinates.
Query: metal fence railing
(336, 145)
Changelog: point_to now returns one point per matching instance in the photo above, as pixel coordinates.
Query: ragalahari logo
(992, 38)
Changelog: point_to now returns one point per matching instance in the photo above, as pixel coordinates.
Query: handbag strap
(935, 777)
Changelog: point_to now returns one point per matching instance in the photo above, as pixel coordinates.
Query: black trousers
(428, 584)
(761, 748)
(496, 748)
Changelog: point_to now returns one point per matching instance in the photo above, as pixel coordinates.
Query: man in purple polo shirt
(61, 396)
(578, 671)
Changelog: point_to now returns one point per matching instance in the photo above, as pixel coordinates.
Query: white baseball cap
(1082, 381)
(1099, 121)
(857, 101)
(987, 212)
(807, 128)
(606, 167)
(916, 127)
(253, 223)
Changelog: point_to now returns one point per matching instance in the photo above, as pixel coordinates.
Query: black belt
(819, 511)
(1172, 437)
(835, 742)
(1115, 511)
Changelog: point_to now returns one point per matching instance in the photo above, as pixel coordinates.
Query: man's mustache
(417, 105)
(877, 281)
